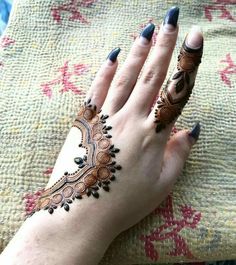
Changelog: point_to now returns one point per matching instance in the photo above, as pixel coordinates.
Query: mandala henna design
(95, 170)
(178, 89)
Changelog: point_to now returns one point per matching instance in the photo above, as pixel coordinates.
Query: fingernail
(195, 132)
(146, 34)
(171, 19)
(113, 55)
(194, 39)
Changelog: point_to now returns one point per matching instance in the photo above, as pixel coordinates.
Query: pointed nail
(195, 132)
(171, 19)
(194, 39)
(113, 55)
(146, 34)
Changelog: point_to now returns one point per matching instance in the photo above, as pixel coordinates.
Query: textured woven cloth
(49, 55)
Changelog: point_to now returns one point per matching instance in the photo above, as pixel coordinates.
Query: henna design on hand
(178, 89)
(95, 170)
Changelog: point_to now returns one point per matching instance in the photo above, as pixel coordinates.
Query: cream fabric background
(40, 56)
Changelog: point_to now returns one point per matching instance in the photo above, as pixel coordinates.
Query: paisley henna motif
(178, 89)
(95, 170)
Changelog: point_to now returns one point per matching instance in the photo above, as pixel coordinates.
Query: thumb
(176, 153)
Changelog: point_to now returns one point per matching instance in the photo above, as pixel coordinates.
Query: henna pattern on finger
(178, 89)
(96, 169)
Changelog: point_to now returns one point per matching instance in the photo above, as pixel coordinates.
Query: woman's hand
(114, 170)
(146, 164)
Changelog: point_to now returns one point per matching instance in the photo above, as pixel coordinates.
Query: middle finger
(128, 74)
(154, 73)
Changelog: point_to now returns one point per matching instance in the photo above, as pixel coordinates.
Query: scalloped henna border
(95, 170)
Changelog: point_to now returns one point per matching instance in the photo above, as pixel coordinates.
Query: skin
(151, 163)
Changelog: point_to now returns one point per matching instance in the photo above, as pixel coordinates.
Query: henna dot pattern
(95, 170)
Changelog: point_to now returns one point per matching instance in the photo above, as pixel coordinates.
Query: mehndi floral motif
(170, 103)
(96, 169)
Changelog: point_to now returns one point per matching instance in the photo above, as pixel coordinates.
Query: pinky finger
(100, 85)
(176, 153)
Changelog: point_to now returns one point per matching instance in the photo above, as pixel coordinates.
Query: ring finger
(176, 93)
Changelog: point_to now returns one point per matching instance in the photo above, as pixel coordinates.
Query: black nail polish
(195, 131)
(172, 16)
(113, 54)
(148, 31)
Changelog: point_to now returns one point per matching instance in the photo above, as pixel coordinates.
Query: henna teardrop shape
(95, 168)
(169, 105)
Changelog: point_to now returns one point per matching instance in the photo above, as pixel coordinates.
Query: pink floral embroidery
(170, 230)
(174, 130)
(30, 201)
(6, 41)
(142, 26)
(48, 171)
(230, 69)
(220, 5)
(71, 7)
(65, 79)
(30, 198)
(226, 2)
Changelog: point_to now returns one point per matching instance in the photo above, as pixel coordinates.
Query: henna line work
(94, 170)
(169, 105)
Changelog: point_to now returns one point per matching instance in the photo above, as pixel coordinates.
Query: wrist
(58, 239)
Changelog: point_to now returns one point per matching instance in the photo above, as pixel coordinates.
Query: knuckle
(102, 75)
(122, 81)
(148, 76)
(166, 42)
(153, 77)
(105, 74)
(164, 45)
(138, 52)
